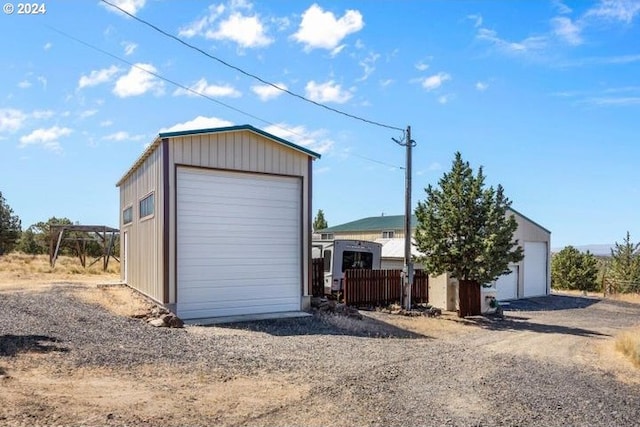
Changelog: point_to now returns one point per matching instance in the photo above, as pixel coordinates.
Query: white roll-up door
(535, 269)
(238, 243)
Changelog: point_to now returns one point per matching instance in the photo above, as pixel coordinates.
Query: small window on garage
(147, 206)
(127, 215)
(389, 234)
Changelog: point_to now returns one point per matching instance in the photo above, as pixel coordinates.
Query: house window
(357, 260)
(390, 234)
(326, 236)
(127, 215)
(147, 206)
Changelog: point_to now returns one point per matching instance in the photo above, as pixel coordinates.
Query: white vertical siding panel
(204, 150)
(145, 237)
(229, 148)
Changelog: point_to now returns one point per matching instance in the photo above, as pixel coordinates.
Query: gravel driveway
(542, 365)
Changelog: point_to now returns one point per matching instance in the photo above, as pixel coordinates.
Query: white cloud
(231, 23)
(43, 81)
(566, 30)
(386, 82)
(199, 122)
(123, 136)
(42, 114)
(334, 52)
(129, 47)
(11, 119)
(444, 99)
(204, 88)
(533, 43)
(47, 138)
(421, 66)
(368, 65)
(320, 29)
(246, 31)
(599, 60)
(434, 81)
(106, 123)
(267, 92)
(477, 20)
(97, 77)
(47, 46)
(24, 84)
(482, 86)
(562, 8)
(87, 113)
(199, 26)
(327, 92)
(138, 81)
(615, 10)
(313, 140)
(131, 6)
(281, 23)
(614, 101)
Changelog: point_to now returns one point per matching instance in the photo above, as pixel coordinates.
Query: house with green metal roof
(528, 278)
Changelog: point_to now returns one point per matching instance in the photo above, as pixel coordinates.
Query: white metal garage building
(217, 222)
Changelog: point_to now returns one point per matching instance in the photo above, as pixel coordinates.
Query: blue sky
(545, 95)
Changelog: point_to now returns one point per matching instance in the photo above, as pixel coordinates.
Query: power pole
(408, 265)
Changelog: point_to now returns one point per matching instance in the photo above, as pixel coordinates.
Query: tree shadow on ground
(550, 303)
(325, 324)
(514, 323)
(11, 345)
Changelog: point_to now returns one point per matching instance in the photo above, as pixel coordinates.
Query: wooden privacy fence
(317, 277)
(382, 287)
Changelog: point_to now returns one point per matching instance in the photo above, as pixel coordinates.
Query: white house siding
(241, 150)
(144, 236)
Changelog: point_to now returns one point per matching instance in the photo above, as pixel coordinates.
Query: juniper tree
(625, 265)
(10, 227)
(464, 228)
(319, 223)
(572, 269)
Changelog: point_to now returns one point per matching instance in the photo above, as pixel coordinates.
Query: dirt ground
(157, 393)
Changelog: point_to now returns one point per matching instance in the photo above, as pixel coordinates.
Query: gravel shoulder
(71, 355)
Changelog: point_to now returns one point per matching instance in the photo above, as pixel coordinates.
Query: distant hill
(598, 250)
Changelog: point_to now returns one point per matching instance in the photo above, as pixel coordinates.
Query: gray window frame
(143, 206)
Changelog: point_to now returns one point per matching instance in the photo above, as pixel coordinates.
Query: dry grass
(628, 343)
(18, 270)
(632, 298)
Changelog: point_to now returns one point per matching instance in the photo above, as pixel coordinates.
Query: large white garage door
(238, 243)
(507, 285)
(535, 269)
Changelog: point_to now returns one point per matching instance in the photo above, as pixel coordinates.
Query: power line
(195, 92)
(377, 161)
(240, 70)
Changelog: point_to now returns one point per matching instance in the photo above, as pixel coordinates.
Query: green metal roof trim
(250, 128)
(373, 223)
(237, 128)
(391, 222)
